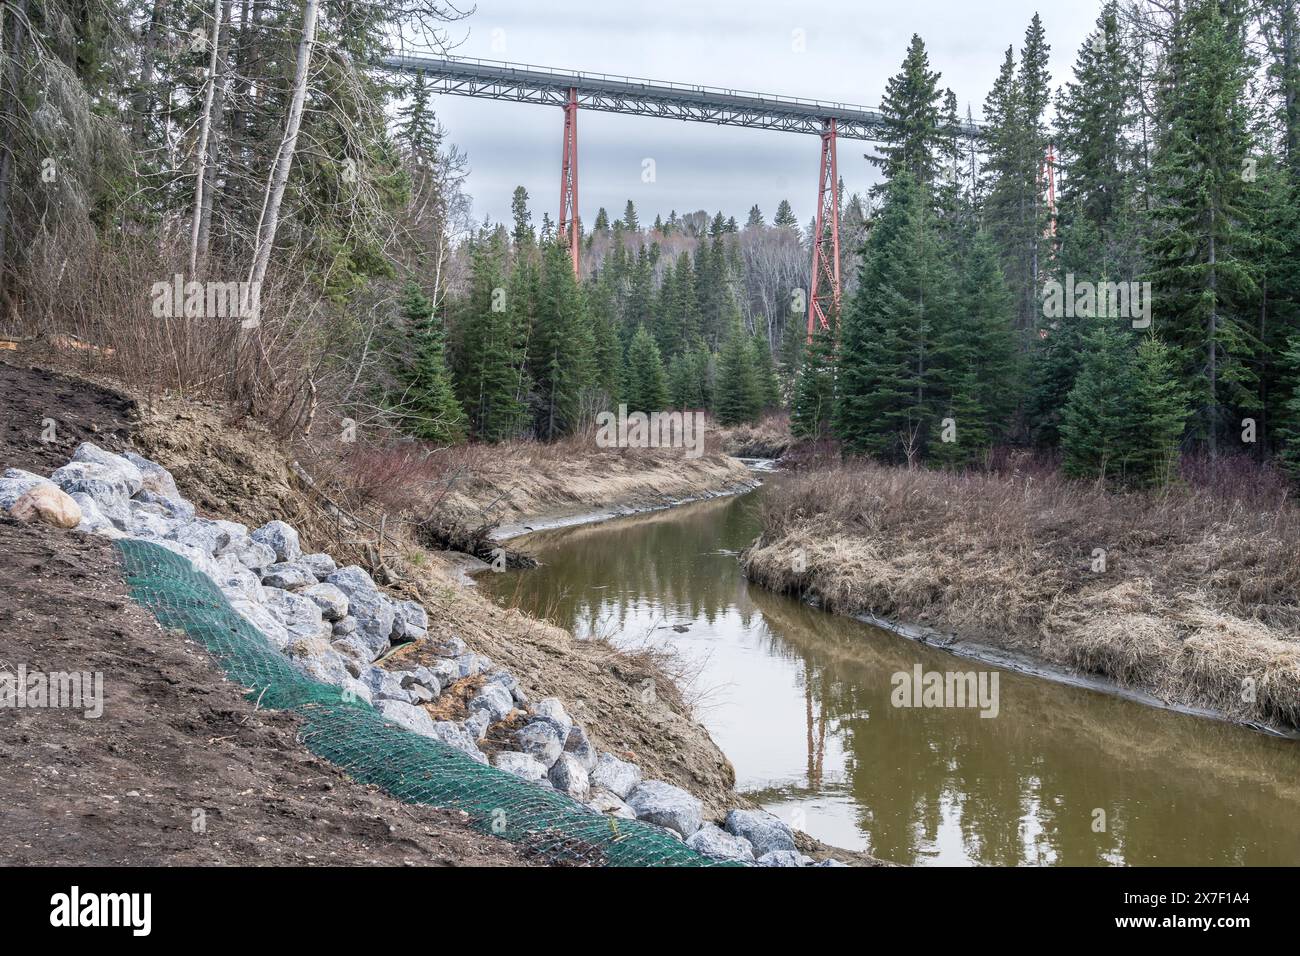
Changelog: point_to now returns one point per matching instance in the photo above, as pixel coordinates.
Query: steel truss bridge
(701, 104)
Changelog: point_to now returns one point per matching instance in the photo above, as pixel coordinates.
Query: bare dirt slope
(241, 472)
(175, 737)
(33, 399)
(527, 487)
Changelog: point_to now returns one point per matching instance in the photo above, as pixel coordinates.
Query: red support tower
(824, 296)
(570, 229)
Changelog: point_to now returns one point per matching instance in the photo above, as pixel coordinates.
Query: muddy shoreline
(1032, 666)
(553, 521)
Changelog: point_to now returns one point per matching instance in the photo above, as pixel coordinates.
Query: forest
(260, 143)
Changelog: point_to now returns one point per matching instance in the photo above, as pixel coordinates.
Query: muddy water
(800, 701)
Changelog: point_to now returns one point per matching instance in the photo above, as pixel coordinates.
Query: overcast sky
(851, 47)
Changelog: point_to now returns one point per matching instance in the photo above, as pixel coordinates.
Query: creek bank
(1023, 663)
(1006, 658)
(552, 521)
(1186, 600)
(336, 625)
(524, 485)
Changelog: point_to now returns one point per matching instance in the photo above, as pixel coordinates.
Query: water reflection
(800, 702)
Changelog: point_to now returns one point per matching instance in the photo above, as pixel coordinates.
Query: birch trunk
(217, 112)
(201, 177)
(279, 177)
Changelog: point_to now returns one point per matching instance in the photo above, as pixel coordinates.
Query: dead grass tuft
(1199, 597)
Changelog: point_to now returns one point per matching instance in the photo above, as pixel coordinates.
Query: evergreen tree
(645, 384)
(684, 382)
(630, 221)
(606, 356)
(417, 126)
(1127, 411)
(1203, 269)
(1162, 410)
(813, 404)
(1098, 421)
(1277, 304)
(887, 377)
(976, 363)
(1094, 120)
(488, 362)
(785, 217)
(738, 399)
(791, 350)
(769, 389)
(1288, 423)
(562, 347)
(523, 234)
(910, 133)
(1015, 142)
(430, 405)
(703, 365)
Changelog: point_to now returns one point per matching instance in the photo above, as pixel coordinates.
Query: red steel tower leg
(824, 296)
(570, 230)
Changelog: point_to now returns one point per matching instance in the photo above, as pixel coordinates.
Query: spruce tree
(785, 217)
(1094, 122)
(429, 406)
(1288, 420)
(738, 398)
(976, 363)
(562, 346)
(684, 385)
(813, 403)
(1126, 415)
(769, 389)
(1162, 412)
(645, 384)
(1015, 141)
(488, 361)
(1204, 270)
(1100, 418)
(523, 233)
(888, 376)
(910, 133)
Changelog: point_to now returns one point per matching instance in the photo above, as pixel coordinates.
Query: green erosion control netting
(354, 736)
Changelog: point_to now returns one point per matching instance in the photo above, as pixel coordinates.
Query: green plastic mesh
(355, 737)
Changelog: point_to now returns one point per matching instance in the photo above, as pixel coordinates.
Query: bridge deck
(638, 97)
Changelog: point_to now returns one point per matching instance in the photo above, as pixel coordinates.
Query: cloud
(851, 49)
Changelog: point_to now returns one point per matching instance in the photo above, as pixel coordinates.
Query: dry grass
(1201, 587)
(770, 438)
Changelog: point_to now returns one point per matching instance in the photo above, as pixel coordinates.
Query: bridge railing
(522, 69)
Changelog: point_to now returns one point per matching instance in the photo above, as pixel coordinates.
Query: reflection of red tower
(817, 744)
(824, 296)
(570, 230)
